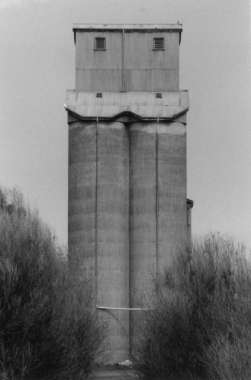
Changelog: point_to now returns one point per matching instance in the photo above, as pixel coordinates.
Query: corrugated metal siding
(88, 58)
(151, 80)
(98, 80)
(151, 70)
(145, 69)
(99, 70)
(139, 53)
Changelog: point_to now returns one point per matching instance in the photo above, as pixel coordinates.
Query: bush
(49, 328)
(200, 324)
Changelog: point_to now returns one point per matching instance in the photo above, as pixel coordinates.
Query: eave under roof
(129, 27)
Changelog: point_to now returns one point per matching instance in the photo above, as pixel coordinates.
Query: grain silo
(127, 164)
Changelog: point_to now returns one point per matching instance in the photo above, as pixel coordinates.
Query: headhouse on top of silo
(134, 58)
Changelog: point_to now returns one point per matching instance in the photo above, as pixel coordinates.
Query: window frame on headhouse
(158, 43)
(100, 43)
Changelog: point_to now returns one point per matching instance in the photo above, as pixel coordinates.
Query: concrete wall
(112, 232)
(82, 195)
(142, 207)
(127, 211)
(99, 219)
(172, 189)
(127, 178)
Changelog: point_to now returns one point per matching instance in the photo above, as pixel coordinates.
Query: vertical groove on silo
(113, 240)
(96, 220)
(142, 216)
(157, 197)
(172, 191)
(82, 198)
(123, 60)
(129, 236)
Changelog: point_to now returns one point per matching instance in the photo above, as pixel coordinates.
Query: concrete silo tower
(127, 164)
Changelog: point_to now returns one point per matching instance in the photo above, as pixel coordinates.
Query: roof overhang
(127, 28)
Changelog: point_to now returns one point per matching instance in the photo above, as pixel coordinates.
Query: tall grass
(48, 326)
(200, 325)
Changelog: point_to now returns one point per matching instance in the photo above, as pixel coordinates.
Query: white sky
(37, 67)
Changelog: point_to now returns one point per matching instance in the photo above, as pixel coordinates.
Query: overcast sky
(37, 58)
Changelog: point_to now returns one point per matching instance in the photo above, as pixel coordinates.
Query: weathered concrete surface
(172, 186)
(99, 219)
(143, 104)
(127, 166)
(158, 207)
(142, 208)
(112, 233)
(127, 212)
(82, 195)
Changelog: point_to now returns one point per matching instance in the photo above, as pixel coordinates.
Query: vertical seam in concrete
(157, 197)
(123, 58)
(96, 218)
(129, 235)
(76, 76)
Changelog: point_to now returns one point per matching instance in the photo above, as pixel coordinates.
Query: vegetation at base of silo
(199, 325)
(48, 325)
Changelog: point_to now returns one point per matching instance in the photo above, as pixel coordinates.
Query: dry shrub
(165, 336)
(230, 360)
(200, 324)
(49, 327)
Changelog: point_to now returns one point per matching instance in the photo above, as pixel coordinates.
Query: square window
(159, 43)
(99, 43)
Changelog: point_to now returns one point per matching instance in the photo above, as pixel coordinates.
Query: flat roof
(129, 27)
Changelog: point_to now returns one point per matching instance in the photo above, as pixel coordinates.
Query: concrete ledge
(105, 374)
(130, 374)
